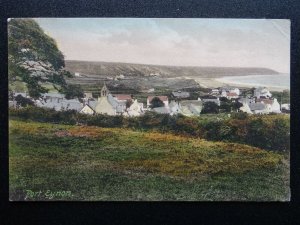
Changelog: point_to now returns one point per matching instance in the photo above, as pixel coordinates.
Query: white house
(215, 92)
(273, 103)
(60, 104)
(260, 108)
(119, 77)
(285, 106)
(191, 107)
(245, 108)
(276, 106)
(87, 110)
(174, 108)
(104, 106)
(262, 92)
(225, 91)
(116, 104)
(136, 109)
(234, 90)
(150, 90)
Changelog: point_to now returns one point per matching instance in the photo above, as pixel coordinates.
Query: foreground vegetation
(271, 132)
(93, 163)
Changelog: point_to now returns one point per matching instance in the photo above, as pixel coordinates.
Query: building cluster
(261, 102)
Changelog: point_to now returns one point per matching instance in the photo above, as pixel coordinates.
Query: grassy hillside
(95, 163)
(130, 69)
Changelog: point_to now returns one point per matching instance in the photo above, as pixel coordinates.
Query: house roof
(232, 94)
(180, 94)
(92, 104)
(88, 107)
(112, 100)
(257, 106)
(191, 107)
(121, 97)
(265, 100)
(162, 98)
(191, 102)
(53, 95)
(190, 110)
(119, 106)
(72, 104)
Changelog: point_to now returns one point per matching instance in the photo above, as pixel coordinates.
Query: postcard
(149, 109)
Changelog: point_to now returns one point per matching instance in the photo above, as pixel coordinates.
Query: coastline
(219, 82)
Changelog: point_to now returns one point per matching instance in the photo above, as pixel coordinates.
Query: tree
(129, 102)
(22, 101)
(156, 102)
(224, 99)
(256, 133)
(279, 137)
(210, 107)
(236, 105)
(226, 106)
(73, 91)
(33, 57)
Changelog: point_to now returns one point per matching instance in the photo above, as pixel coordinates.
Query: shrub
(239, 115)
(22, 101)
(187, 125)
(210, 107)
(265, 131)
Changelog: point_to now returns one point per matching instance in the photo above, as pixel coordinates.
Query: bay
(273, 80)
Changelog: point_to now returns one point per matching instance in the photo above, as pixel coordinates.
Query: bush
(265, 131)
(187, 125)
(239, 115)
(210, 107)
(23, 102)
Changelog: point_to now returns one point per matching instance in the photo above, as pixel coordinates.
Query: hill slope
(128, 69)
(95, 163)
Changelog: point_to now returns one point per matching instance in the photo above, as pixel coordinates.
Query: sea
(281, 81)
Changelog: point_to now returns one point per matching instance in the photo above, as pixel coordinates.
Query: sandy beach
(217, 82)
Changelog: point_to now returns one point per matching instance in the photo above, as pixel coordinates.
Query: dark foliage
(33, 57)
(268, 131)
(73, 91)
(23, 102)
(210, 107)
(156, 102)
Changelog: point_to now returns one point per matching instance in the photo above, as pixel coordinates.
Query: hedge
(270, 132)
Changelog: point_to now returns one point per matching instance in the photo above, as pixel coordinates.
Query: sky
(178, 42)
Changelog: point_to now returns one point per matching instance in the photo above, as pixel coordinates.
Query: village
(180, 102)
(148, 109)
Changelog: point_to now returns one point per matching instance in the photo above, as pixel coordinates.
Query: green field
(92, 163)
